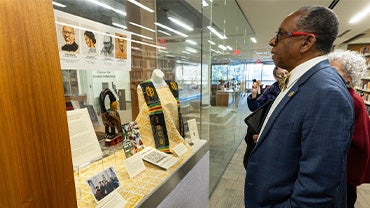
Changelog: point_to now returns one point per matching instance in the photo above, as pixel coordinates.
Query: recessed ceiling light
(180, 23)
(119, 25)
(138, 25)
(214, 31)
(170, 29)
(141, 6)
(191, 42)
(359, 16)
(211, 42)
(107, 7)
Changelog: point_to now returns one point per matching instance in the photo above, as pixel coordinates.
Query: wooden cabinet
(223, 98)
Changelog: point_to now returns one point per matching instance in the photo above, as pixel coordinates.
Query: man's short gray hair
(322, 21)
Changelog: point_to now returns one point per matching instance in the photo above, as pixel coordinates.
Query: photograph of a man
(108, 46)
(70, 39)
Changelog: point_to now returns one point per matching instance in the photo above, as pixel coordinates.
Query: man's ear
(307, 43)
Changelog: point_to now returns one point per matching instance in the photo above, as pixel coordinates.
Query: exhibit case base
(154, 187)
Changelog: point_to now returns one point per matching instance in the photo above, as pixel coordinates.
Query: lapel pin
(291, 93)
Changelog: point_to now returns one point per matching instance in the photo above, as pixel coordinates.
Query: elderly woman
(351, 66)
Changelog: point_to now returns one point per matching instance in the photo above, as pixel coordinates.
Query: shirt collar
(301, 69)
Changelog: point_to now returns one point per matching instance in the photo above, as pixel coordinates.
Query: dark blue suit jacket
(300, 158)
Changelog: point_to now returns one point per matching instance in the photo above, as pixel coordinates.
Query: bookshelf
(364, 88)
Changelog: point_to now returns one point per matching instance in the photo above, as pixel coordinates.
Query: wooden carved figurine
(110, 118)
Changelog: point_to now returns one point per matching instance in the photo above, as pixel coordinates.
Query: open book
(158, 158)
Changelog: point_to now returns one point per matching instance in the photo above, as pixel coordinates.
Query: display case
(153, 185)
(106, 81)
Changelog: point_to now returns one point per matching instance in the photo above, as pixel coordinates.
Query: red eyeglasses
(291, 34)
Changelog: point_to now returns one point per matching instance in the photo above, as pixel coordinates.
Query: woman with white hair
(352, 66)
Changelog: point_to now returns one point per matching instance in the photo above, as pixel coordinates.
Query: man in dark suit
(300, 156)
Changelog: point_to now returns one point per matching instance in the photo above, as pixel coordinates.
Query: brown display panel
(35, 156)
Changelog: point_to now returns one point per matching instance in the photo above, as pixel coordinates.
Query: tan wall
(35, 155)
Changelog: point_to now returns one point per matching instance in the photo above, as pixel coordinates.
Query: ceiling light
(181, 23)
(148, 44)
(58, 4)
(359, 16)
(228, 47)
(170, 29)
(192, 50)
(143, 36)
(216, 51)
(141, 6)
(137, 25)
(211, 42)
(191, 42)
(119, 25)
(166, 33)
(253, 39)
(216, 33)
(222, 47)
(186, 52)
(107, 7)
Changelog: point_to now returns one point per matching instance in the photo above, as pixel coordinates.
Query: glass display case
(117, 45)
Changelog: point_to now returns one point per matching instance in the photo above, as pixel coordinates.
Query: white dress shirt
(295, 74)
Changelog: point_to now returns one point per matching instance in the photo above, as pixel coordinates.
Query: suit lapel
(289, 95)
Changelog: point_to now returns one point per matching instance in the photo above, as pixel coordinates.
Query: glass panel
(120, 44)
(229, 78)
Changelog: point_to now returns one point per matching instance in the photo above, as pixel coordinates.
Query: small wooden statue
(111, 118)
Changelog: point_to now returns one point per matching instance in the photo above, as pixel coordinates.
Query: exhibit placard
(84, 143)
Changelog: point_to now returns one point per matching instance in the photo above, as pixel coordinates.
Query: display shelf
(140, 74)
(143, 56)
(147, 189)
(364, 89)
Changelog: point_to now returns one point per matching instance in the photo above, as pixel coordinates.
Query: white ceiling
(265, 17)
